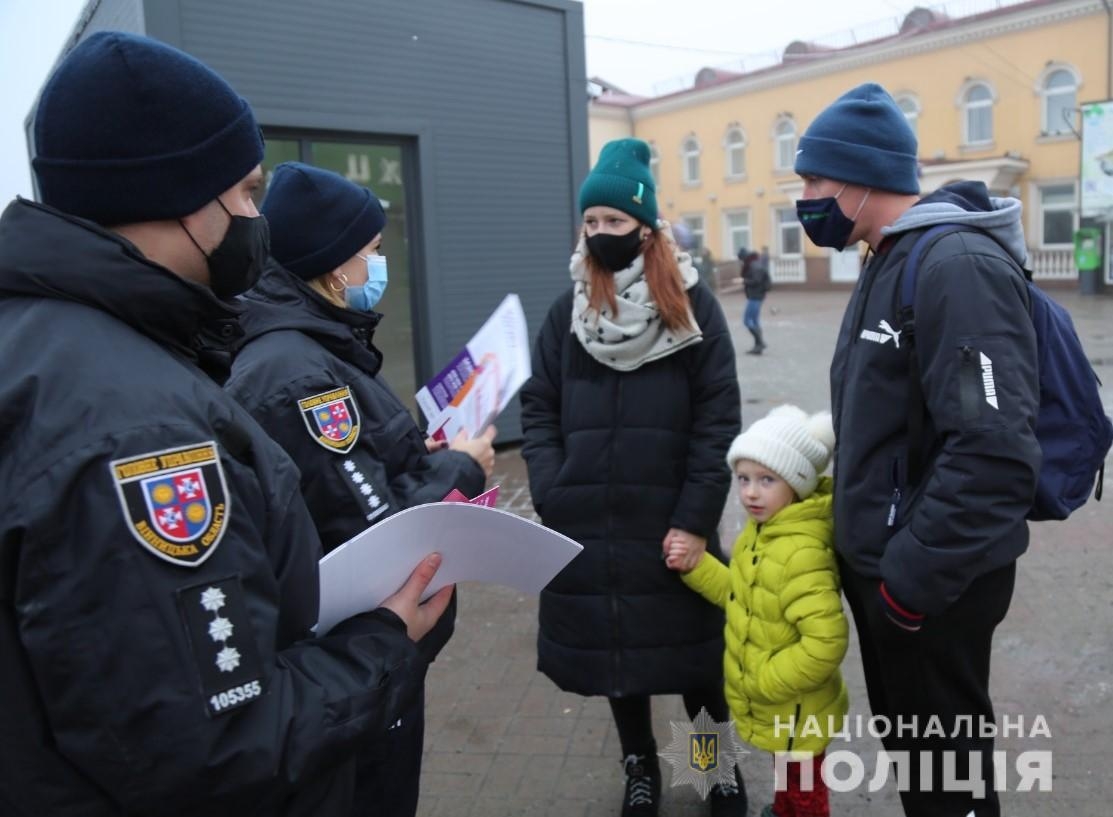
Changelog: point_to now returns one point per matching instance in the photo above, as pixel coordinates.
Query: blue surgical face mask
(365, 298)
(824, 222)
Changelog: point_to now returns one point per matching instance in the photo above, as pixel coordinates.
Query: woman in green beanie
(627, 421)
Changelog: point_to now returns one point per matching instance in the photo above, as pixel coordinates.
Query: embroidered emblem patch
(223, 643)
(175, 501)
(332, 419)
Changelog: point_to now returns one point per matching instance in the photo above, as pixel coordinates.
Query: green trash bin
(1087, 257)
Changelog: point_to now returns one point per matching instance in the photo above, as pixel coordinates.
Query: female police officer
(309, 374)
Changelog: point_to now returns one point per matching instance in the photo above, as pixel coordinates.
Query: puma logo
(876, 337)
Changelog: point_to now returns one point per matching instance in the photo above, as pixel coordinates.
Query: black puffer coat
(616, 459)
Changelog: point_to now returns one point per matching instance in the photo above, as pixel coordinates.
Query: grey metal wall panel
(492, 94)
(115, 15)
(494, 88)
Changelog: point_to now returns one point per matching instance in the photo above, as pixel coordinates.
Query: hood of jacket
(45, 253)
(968, 203)
(281, 301)
(807, 515)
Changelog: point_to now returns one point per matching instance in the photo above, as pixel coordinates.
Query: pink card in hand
(487, 498)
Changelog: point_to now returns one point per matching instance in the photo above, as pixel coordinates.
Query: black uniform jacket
(158, 567)
(308, 373)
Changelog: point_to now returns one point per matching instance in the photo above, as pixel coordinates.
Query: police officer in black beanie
(158, 567)
(309, 373)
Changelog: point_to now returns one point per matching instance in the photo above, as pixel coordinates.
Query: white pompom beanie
(792, 445)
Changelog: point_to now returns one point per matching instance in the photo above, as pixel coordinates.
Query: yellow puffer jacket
(786, 633)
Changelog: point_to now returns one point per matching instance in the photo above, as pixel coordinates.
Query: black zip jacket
(158, 568)
(976, 346)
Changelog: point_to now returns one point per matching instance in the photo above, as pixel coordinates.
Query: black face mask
(237, 262)
(615, 252)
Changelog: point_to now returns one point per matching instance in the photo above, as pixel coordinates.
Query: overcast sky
(644, 46)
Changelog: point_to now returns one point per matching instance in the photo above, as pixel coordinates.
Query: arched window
(977, 114)
(910, 106)
(1059, 90)
(784, 138)
(689, 154)
(735, 145)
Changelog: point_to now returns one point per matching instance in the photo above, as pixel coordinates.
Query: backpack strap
(909, 275)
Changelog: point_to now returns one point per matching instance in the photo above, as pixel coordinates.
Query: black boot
(758, 345)
(643, 786)
(760, 336)
(729, 799)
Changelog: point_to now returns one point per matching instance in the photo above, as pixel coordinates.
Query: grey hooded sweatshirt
(964, 515)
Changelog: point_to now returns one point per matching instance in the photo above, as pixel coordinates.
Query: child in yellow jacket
(785, 633)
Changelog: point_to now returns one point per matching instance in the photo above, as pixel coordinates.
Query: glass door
(380, 168)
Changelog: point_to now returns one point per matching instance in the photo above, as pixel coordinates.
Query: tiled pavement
(503, 740)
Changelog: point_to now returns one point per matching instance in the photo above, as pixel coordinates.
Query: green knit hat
(621, 179)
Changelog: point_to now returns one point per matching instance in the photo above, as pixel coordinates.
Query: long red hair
(662, 274)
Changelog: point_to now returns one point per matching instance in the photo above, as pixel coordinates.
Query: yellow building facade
(993, 97)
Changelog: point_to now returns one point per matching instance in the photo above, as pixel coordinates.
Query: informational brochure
(470, 392)
(476, 543)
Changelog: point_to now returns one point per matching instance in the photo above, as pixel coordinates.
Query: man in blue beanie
(935, 414)
(158, 579)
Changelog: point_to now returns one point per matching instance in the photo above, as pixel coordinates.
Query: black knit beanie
(318, 218)
(128, 129)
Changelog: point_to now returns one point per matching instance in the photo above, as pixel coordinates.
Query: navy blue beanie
(318, 219)
(128, 129)
(862, 138)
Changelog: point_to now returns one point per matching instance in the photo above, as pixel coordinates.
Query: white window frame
(967, 107)
(1042, 209)
(734, 142)
(690, 152)
(1045, 93)
(729, 230)
(699, 235)
(779, 228)
(909, 105)
(779, 141)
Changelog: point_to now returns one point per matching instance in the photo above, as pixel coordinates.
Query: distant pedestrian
(756, 282)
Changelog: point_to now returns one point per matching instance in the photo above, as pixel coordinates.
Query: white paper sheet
(477, 544)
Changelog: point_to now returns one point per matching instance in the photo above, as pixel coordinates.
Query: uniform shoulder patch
(332, 419)
(175, 501)
(223, 643)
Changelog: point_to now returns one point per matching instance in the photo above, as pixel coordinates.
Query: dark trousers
(942, 670)
(751, 319)
(388, 769)
(634, 720)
